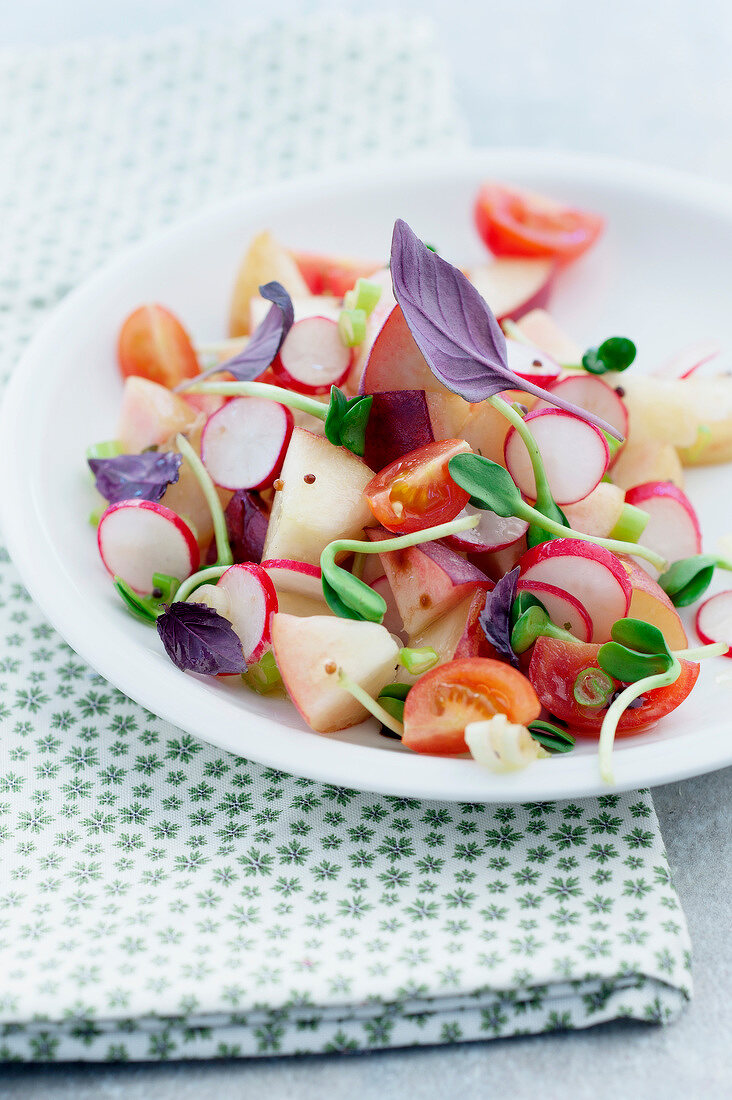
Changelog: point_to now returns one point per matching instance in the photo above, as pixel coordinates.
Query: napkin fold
(158, 897)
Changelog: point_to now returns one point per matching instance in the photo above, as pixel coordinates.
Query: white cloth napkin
(159, 898)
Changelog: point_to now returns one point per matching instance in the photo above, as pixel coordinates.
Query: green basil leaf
(688, 579)
(551, 737)
(639, 635)
(628, 665)
(489, 485)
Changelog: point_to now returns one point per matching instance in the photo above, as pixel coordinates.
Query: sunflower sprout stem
(223, 549)
(716, 649)
(543, 492)
(528, 513)
(616, 709)
(212, 573)
(370, 704)
(402, 542)
(263, 389)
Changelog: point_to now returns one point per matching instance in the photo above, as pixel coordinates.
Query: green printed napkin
(159, 898)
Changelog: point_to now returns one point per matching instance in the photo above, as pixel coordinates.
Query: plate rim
(329, 760)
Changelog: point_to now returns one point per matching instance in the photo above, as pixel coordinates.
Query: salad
(402, 490)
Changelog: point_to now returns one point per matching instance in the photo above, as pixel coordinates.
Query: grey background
(650, 81)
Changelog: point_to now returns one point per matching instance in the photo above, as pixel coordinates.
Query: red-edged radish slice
(673, 529)
(492, 533)
(590, 573)
(252, 602)
(575, 455)
(593, 394)
(392, 619)
(513, 287)
(295, 576)
(688, 360)
(137, 538)
(563, 610)
(313, 357)
(714, 620)
(531, 363)
(243, 445)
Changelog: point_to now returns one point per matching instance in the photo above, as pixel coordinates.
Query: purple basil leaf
(264, 343)
(267, 338)
(247, 521)
(131, 477)
(495, 618)
(198, 639)
(454, 328)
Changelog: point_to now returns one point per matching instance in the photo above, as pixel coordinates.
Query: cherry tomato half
(416, 491)
(519, 223)
(556, 664)
(153, 344)
(444, 701)
(334, 275)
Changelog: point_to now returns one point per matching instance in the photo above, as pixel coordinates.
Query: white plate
(662, 275)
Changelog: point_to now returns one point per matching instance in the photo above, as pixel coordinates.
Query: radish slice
(313, 357)
(492, 533)
(590, 573)
(137, 538)
(593, 394)
(673, 528)
(252, 602)
(295, 576)
(685, 362)
(532, 364)
(714, 620)
(575, 455)
(243, 445)
(563, 610)
(392, 619)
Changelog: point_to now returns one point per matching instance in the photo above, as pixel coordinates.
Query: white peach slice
(309, 654)
(151, 415)
(319, 498)
(264, 261)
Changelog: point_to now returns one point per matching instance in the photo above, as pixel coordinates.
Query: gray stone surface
(651, 82)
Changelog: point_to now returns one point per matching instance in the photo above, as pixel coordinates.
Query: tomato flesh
(555, 665)
(518, 223)
(447, 699)
(416, 491)
(334, 275)
(153, 344)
